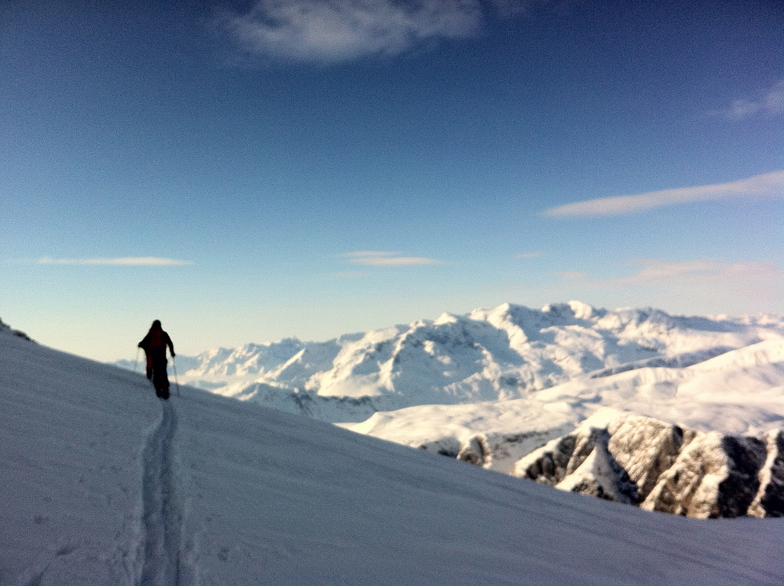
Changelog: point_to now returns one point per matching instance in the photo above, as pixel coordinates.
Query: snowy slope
(506, 430)
(103, 483)
(503, 353)
(740, 392)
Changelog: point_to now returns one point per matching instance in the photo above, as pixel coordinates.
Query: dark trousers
(160, 379)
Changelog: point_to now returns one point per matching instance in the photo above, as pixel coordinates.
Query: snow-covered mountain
(739, 392)
(492, 386)
(504, 353)
(729, 410)
(103, 483)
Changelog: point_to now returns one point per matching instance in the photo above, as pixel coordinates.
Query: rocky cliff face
(494, 451)
(662, 467)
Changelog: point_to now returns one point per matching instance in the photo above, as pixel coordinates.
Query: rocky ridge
(663, 467)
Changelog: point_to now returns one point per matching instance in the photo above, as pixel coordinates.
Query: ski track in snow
(162, 510)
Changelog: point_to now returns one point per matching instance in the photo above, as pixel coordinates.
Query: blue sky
(256, 169)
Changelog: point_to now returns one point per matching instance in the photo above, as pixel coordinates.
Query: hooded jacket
(155, 342)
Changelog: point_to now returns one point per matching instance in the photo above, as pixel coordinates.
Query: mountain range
(494, 386)
(507, 352)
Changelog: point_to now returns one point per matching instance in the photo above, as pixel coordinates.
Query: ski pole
(176, 382)
(136, 362)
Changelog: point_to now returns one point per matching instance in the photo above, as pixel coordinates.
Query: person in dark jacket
(154, 346)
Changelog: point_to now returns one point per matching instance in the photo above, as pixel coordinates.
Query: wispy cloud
(766, 185)
(329, 31)
(770, 102)
(694, 286)
(147, 261)
(661, 272)
(378, 258)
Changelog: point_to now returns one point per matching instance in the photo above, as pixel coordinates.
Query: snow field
(103, 483)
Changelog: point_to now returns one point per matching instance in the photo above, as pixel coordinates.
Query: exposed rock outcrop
(6, 328)
(500, 451)
(662, 467)
(769, 500)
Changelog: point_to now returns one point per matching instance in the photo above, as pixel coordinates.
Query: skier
(154, 346)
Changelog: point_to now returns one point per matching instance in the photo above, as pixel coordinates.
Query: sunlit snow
(103, 483)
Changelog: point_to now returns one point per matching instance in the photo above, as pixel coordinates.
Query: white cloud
(329, 31)
(147, 261)
(698, 286)
(766, 185)
(769, 103)
(384, 258)
(653, 272)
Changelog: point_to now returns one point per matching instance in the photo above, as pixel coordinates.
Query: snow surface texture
(103, 483)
